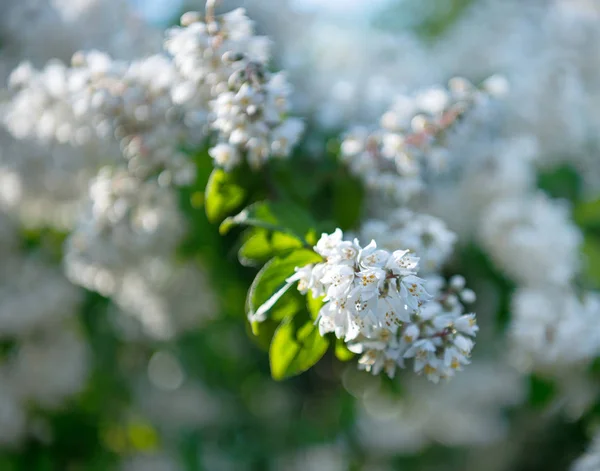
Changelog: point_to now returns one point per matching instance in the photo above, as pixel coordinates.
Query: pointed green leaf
(271, 280)
(296, 346)
(262, 245)
(281, 216)
(223, 195)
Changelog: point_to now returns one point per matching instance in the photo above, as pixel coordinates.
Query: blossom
(396, 158)
(420, 233)
(375, 302)
(224, 69)
(532, 239)
(225, 156)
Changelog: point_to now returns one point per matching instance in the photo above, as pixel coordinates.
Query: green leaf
(348, 195)
(341, 351)
(262, 245)
(314, 306)
(280, 216)
(223, 195)
(591, 251)
(587, 214)
(561, 182)
(541, 391)
(296, 346)
(270, 289)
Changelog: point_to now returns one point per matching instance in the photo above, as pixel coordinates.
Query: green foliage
(223, 195)
(348, 195)
(269, 289)
(541, 391)
(314, 306)
(591, 264)
(296, 346)
(561, 182)
(260, 245)
(587, 214)
(341, 351)
(280, 216)
(282, 231)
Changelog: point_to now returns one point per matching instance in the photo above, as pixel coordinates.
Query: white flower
(466, 324)
(328, 243)
(412, 291)
(395, 159)
(533, 240)
(402, 263)
(335, 317)
(303, 276)
(345, 252)
(369, 283)
(422, 234)
(375, 361)
(422, 351)
(411, 333)
(285, 136)
(371, 257)
(225, 156)
(225, 64)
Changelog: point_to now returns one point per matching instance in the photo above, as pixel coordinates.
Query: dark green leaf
(541, 391)
(561, 182)
(348, 196)
(223, 195)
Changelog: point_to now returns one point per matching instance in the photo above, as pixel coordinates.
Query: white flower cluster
(43, 184)
(132, 101)
(111, 106)
(225, 65)
(396, 159)
(46, 156)
(377, 304)
(124, 247)
(420, 233)
(127, 221)
(44, 181)
(66, 122)
(521, 232)
(545, 322)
